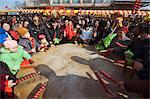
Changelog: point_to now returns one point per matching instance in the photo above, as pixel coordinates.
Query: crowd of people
(125, 37)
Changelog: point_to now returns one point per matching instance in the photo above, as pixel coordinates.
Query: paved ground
(68, 70)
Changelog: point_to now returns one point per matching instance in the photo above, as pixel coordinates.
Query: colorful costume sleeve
(108, 39)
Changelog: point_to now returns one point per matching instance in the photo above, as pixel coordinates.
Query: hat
(10, 43)
(125, 29)
(22, 31)
(41, 36)
(119, 19)
(147, 18)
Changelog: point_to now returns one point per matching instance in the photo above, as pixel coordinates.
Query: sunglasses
(36, 20)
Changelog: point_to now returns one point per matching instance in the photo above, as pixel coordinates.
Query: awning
(82, 12)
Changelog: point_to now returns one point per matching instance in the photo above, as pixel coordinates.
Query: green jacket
(13, 60)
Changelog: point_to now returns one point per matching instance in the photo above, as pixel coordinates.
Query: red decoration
(26, 77)
(40, 90)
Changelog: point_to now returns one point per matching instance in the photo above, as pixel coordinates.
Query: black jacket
(54, 32)
(141, 50)
(41, 29)
(144, 55)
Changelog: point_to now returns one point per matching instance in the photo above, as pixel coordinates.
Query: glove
(33, 50)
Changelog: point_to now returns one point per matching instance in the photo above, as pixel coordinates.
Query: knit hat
(22, 31)
(10, 44)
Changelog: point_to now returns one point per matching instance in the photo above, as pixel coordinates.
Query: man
(54, 31)
(141, 65)
(143, 54)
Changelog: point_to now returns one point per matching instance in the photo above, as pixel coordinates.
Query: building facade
(68, 3)
(85, 4)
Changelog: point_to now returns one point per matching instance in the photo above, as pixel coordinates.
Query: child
(43, 42)
(13, 55)
(28, 42)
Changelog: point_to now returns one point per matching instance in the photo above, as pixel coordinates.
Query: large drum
(68, 71)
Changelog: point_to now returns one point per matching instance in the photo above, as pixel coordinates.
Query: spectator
(7, 81)
(13, 55)
(29, 43)
(26, 24)
(13, 33)
(69, 33)
(37, 27)
(85, 36)
(3, 36)
(6, 27)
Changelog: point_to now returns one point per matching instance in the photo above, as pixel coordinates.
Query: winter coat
(69, 32)
(13, 60)
(27, 45)
(143, 54)
(36, 32)
(3, 35)
(4, 70)
(54, 33)
(138, 86)
(14, 35)
(86, 35)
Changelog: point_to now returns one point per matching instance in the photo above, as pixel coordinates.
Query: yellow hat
(22, 31)
(147, 18)
(119, 19)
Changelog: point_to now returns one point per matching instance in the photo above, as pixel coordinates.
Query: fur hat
(22, 31)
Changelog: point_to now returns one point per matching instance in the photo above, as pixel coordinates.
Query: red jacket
(14, 35)
(69, 31)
